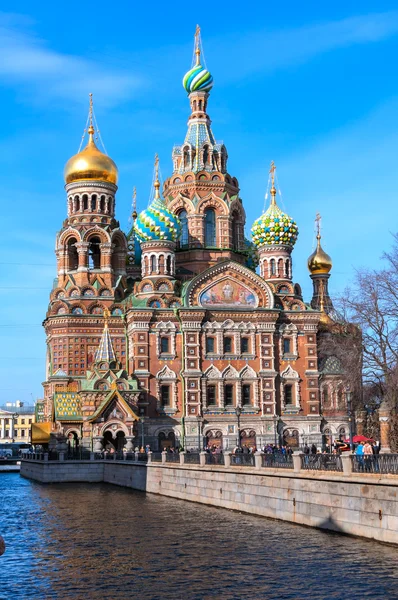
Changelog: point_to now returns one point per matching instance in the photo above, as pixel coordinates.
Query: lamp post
(198, 418)
(238, 412)
(142, 420)
(276, 419)
(349, 411)
(14, 421)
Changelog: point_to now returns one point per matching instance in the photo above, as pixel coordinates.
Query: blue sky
(312, 86)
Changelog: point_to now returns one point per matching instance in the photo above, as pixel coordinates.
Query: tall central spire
(105, 350)
(200, 151)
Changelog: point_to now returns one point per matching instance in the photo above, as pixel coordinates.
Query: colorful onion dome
(319, 263)
(274, 228)
(198, 79)
(252, 259)
(90, 164)
(157, 222)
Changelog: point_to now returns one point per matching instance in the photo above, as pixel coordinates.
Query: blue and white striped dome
(198, 79)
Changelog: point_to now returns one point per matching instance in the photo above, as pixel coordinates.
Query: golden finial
(90, 130)
(197, 45)
(134, 204)
(273, 189)
(107, 314)
(318, 220)
(157, 182)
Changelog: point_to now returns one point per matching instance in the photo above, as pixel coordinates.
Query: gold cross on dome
(318, 219)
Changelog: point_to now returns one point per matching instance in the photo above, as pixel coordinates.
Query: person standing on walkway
(368, 457)
(359, 455)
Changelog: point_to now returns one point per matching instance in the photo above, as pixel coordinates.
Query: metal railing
(214, 459)
(277, 460)
(242, 460)
(375, 463)
(156, 457)
(192, 458)
(321, 462)
(359, 464)
(172, 457)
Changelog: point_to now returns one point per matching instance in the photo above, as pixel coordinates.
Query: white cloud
(29, 62)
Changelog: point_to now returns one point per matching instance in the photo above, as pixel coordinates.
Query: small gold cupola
(319, 263)
(91, 164)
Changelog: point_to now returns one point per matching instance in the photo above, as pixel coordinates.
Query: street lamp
(276, 421)
(198, 418)
(349, 411)
(142, 420)
(238, 412)
(14, 421)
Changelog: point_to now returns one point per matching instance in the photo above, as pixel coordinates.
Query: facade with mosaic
(161, 333)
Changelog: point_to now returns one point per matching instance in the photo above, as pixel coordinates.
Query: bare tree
(370, 306)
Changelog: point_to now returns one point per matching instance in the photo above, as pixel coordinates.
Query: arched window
(205, 155)
(325, 396)
(76, 204)
(340, 398)
(210, 227)
(183, 216)
(85, 202)
(153, 263)
(235, 231)
(168, 265)
(116, 255)
(273, 266)
(288, 394)
(102, 204)
(73, 259)
(287, 267)
(93, 202)
(94, 253)
(186, 158)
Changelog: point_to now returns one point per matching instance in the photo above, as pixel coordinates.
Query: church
(183, 332)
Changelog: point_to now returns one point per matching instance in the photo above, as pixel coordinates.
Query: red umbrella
(360, 438)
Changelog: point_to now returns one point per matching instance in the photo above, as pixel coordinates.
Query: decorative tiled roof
(331, 366)
(67, 406)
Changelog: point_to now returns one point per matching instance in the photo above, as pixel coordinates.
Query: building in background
(15, 422)
(166, 334)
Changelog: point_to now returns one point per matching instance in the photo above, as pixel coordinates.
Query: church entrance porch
(166, 441)
(214, 439)
(114, 441)
(248, 438)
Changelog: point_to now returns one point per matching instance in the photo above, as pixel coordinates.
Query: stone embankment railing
(347, 464)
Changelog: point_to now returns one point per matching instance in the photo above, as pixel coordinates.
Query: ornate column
(106, 257)
(360, 420)
(384, 419)
(82, 250)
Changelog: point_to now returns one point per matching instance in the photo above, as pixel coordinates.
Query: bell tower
(201, 192)
(91, 253)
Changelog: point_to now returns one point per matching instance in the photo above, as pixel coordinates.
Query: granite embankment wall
(364, 505)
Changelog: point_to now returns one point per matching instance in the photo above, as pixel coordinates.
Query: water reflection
(99, 541)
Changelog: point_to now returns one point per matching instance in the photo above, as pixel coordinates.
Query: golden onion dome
(90, 164)
(319, 263)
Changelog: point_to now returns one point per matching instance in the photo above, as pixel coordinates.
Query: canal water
(81, 541)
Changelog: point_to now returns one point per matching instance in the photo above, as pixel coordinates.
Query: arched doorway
(291, 438)
(248, 438)
(73, 443)
(166, 441)
(120, 441)
(327, 438)
(109, 442)
(214, 439)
